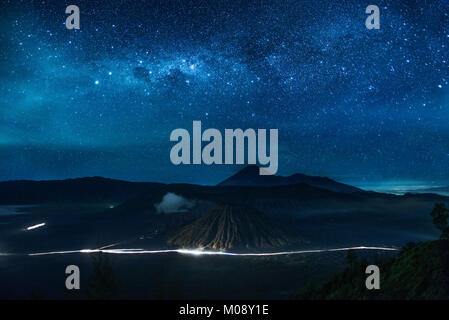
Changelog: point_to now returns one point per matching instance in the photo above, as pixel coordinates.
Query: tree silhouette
(351, 258)
(440, 215)
(102, 283)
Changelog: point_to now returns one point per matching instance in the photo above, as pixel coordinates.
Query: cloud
(172, 203)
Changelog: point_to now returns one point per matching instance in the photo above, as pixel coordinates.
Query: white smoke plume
(172, 203)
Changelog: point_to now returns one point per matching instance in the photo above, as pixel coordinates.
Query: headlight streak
(110, 245)
(196, 252)
(35, 226)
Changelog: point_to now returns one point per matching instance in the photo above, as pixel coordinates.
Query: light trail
(36, 226)
(109, 246)
(197, 252)
(5, 254)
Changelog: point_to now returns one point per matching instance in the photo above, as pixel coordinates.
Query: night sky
(368, 107)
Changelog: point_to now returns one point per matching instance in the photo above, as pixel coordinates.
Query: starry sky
(367, 107)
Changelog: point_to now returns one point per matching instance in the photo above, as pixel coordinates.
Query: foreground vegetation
(419, 271)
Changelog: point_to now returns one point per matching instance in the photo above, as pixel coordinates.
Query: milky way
(350, 103)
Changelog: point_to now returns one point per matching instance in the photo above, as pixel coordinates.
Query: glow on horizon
(399, 187)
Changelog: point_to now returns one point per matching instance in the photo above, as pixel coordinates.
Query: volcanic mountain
(230, 227)
(249, 176)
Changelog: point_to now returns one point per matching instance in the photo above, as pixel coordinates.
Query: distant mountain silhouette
(98, 189)
(93, 189)
(444, 191)
(249, 176)
(230, 227)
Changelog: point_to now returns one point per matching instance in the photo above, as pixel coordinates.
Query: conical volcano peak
(230, 227)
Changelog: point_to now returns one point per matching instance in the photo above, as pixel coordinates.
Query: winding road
(198, 252)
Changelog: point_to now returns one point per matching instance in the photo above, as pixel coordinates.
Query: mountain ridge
(249, 176)
(89, 189)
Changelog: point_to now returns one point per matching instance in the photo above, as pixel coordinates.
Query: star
(321, 84)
